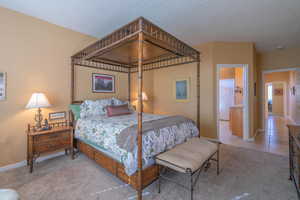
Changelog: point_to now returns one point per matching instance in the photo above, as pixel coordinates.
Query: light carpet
(245, 175)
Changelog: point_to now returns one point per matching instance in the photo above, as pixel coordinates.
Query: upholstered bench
(8, 194)
(190, 157)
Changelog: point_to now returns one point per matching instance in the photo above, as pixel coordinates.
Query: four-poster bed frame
(134, 48)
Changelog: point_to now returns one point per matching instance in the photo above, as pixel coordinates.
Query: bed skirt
(116, 168)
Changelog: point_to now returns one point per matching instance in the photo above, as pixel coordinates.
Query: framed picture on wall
(103, 83)
(293, 90)
(278, 91)
(2, 86)
(182, 89)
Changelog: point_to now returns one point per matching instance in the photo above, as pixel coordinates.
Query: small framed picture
(2, 86)
(293, 90)
(57, 115)
(103, 83)
(182, 89)
(278, 92)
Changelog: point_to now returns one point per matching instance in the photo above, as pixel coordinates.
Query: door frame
(262, 105)
(246, 114)
(232, 79)
(284, 96)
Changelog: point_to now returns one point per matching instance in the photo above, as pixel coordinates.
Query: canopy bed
(134, 48)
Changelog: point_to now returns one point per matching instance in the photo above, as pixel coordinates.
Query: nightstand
(39, 142)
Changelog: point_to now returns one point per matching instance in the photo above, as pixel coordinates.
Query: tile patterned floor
(273, 140)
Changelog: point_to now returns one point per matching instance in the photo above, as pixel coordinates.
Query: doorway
(275, 99)
(232, 103)
(279, 107)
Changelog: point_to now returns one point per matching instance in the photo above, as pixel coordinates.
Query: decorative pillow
(117, 110)
(75, 108)
(117, 102)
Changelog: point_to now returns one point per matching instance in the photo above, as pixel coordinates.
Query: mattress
(101, 132)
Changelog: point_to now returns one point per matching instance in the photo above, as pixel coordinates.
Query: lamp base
(38, 119)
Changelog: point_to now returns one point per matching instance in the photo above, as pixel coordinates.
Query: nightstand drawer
(52, 136)
(52, 145)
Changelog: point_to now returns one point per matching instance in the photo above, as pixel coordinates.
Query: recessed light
(279, 47)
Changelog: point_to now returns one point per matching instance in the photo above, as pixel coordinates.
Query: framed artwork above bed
(103, 83)
(182, 89)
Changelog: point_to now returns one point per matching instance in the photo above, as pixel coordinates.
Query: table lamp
(144, 96)
(38, 100)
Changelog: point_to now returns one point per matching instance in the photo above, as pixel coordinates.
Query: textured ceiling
(267, 23)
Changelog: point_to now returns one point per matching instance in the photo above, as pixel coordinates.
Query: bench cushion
(189, 155)
(8, 194)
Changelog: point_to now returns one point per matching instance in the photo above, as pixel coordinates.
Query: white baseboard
(252, 139)
(249, 139)
(24, 162)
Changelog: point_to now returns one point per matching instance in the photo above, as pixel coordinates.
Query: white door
(226, 97)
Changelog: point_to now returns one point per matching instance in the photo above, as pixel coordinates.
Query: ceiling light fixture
(280, 47)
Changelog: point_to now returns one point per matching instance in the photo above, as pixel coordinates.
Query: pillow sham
(117, 110)
(90, 108)
(103, 103)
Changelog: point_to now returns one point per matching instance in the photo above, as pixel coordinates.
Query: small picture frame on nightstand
(58, 115)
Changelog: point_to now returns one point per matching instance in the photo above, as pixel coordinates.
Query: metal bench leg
(191, 184)
(159, 184)
(159, 177)
(218, 160)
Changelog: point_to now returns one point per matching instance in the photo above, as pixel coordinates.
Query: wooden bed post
(129, 86)
(72, 81)
(140, 112)
(198, 91)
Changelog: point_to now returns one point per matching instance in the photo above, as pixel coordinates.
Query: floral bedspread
(103, 131)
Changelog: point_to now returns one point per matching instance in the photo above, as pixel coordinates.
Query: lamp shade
(38, 100)
(144, 96)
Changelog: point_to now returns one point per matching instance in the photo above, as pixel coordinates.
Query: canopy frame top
(118, 50)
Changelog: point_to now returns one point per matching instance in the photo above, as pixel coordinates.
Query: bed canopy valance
(134, 48)
(118, 51)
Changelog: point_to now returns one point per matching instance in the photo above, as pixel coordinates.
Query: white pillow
(117, 102)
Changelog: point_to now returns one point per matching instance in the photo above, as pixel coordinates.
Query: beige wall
(277, 59)
(277, 76)
(164, 100)
(237, 53)
(292, 98)
(295, 98)
(83, 84)
(147, 88)
(36, 57)
(211, 54)
(207, 91)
